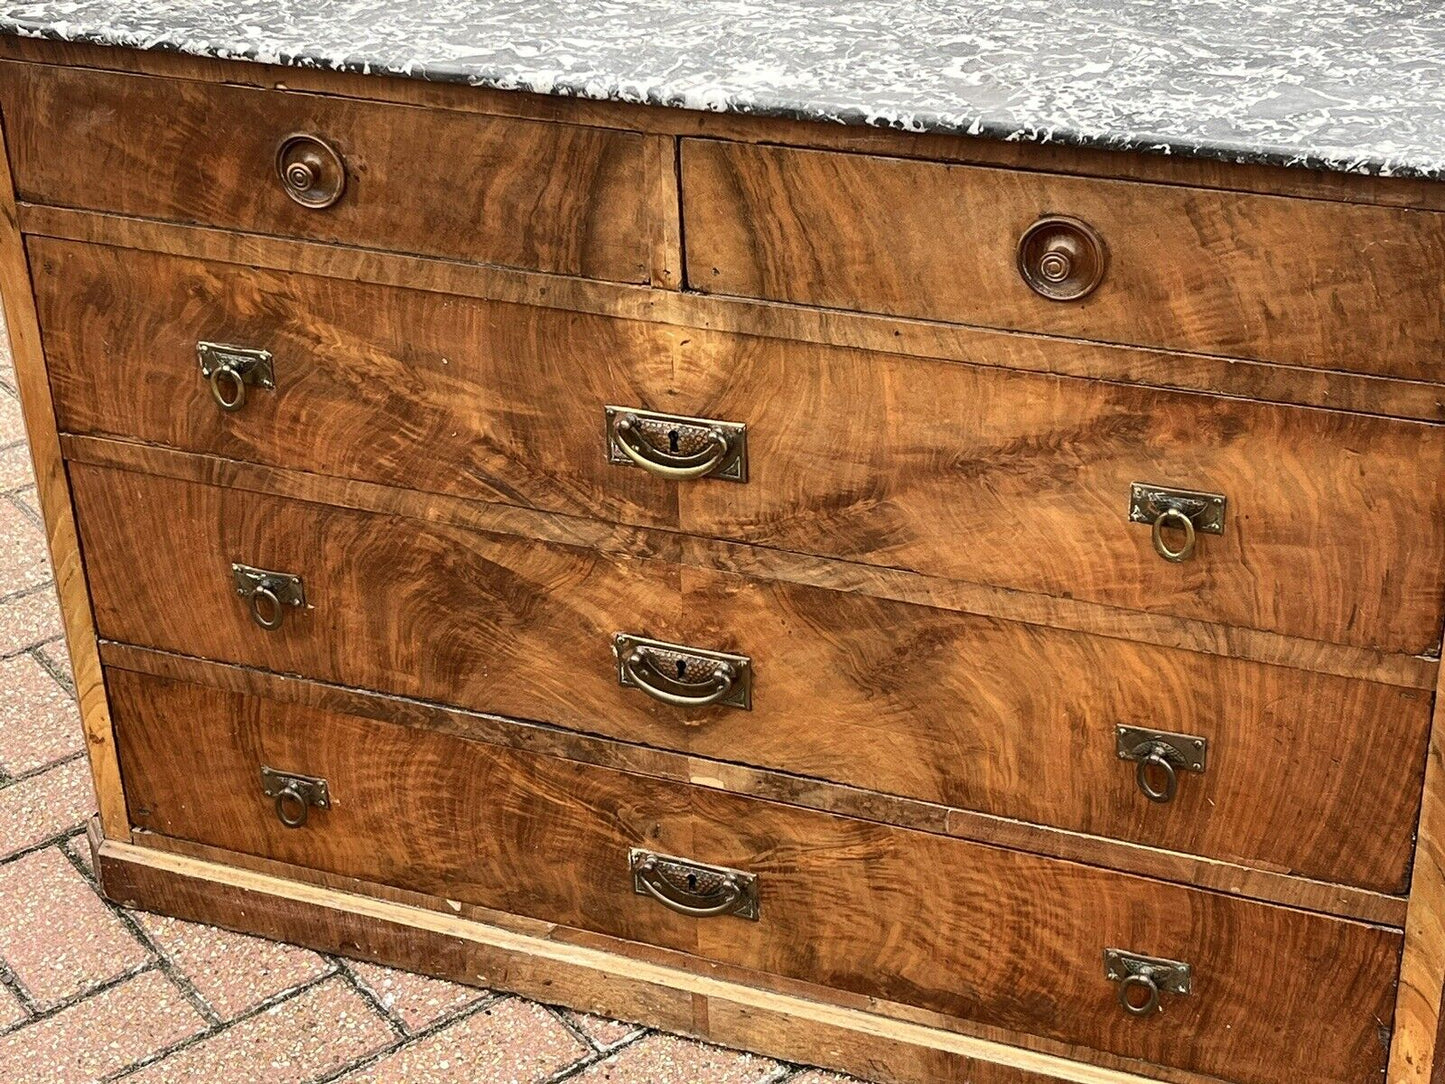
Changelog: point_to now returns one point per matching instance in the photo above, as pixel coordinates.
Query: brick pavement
(92, 992)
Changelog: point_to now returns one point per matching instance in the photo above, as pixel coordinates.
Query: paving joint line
(11, 982)
(61, 678)
(34, 848)
(8, 780)
(80, 996)
(367, 994)
(167, 966)
(225, 1026)
(574, 1029)
(367, 1060)
(594, 1058)
(21, 507)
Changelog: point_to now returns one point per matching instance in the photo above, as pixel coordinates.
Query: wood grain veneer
(1302, 282)
(551, 197)
(967, 472)
(550, 837)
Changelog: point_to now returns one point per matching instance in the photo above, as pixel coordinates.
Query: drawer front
(1302, 282)
(968, 472)
(1008, 940)
(526, 194)
(1303, 772)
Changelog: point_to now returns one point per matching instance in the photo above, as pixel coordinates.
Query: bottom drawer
(1008, 940)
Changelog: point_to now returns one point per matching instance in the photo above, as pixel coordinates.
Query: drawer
(1003, 939)
(1297, 281)
(1308, 773)
(968, 472)
(548, 197)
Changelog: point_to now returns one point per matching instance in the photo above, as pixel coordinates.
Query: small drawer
(1281, 768)
(1301, 282)
(526, 194)
(968, 472)
(1006, 940)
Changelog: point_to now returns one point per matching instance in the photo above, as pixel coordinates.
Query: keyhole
(672, 440)
(681, 668)
(692, 882)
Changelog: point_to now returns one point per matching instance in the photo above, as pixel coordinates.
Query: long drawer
(1333, 527)
(1000, 938)
(1303, 772)
(1300, 281)
(548, 197)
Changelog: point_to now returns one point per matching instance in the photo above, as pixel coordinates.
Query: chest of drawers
(943, 609)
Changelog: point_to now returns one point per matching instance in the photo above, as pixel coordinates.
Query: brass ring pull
(1172, 517)
(288, 796)
(273, 606)
(221, 377)
(670, 896)
(1155, 757)
(670, 690)
(1141, 981)
(679, 468)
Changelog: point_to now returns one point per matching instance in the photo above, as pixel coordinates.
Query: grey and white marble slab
(1348, 85)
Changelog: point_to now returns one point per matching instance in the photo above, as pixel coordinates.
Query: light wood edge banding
(623, 983)
(1417, 1055)
(1406, 671)
(1267, 886)
(997, 348)
(53, 488)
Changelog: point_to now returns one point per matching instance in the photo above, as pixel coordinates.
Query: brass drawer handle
(675, 447)
(1159, 753)
(1137, 974)
(312, 171)
(231, 369)
(1062, 258)
(269, 594)
(685, 677)
(1189, 511)
(293, 795)
(692, 888)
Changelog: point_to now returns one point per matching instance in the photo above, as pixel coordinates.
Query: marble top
(1348, 85)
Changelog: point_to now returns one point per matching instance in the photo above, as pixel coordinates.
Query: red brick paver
(58, 937)
(509, 1042)
(101, 1035)
(309, 1036)
(39, 722)
(230, 971)
(138, 999)
(416, 1000)
(666, 1059)
(43, 806)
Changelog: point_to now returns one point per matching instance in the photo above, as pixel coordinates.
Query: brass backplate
(1147, 502)
(252, 366)
(695, 885)
(691, 665)
(1187, 751)
(286, 587)
(1171, 976)
(308, 788)
(677, 434)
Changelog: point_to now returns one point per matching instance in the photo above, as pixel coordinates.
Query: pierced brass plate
(1187, 751)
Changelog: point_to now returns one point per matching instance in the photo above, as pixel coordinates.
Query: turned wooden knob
(311, 171)
(1062, 258)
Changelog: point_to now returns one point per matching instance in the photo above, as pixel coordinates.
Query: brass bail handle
(1156, 757)
(1139, 980)
(267, 609)
(1173, 517)
(225, 377)
(677, 468)
(720, 683)
(671, 898)
(288, 796)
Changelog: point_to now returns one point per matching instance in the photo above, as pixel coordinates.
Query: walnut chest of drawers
(946, 610)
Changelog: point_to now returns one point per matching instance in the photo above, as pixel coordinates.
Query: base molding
(588, 979)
